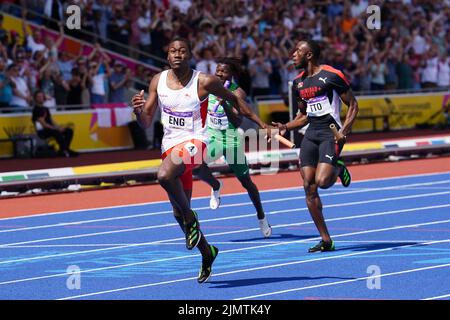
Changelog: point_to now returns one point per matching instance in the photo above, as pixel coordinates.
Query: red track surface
(23, 206)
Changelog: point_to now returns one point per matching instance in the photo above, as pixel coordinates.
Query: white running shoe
(214, 202)
(265, 227)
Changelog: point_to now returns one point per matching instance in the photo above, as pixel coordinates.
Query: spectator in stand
(21, 97)
(65, 65)
(144, 23)
(76, 86)
(405, 73)
(46, 127)
(419, 41)
(90, 23)
(81, 66)
(241, 28)
(6, 90)
(102, 16)
(118, 82)
(358, 7)
(159, 40)
(34, 41)
(53, 11)
(348, 21)
(97, 80)
(182, 5)
(140, 78)
(391, 75)
(288, 73)
(48, 79)
(430, 62)
(98, 73)
(334, 10)
(273, 55)
(378, 72)
(260, 71)
(206, 64)
(443, 71)
(351, 72)
(119, 31)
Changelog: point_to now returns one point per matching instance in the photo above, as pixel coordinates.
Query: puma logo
(323, 79)
(330, 157)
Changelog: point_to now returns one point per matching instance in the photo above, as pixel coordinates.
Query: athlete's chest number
(318, 106)
(315, 107)
(216, 121)
(177, 122)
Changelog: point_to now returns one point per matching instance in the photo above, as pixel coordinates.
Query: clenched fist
(138, 102)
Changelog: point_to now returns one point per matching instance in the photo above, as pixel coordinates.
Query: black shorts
(318, 145)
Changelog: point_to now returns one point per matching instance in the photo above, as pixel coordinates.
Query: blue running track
(396, 228)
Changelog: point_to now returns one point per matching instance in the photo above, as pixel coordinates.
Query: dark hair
(37, 92)
(186, 41)
(315, 48)
(75, 71)
(234, 64)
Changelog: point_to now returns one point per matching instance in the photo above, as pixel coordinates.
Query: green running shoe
(193, 233)
(322, 246)
(206, 268)
(345, 176)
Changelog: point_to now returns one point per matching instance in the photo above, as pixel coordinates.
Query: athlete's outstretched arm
(232, 113)
(213, 85)
(349, 99)
(145, 109)
(299, 121)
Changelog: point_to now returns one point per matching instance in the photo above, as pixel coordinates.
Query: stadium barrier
(102, 128)
(376, 112)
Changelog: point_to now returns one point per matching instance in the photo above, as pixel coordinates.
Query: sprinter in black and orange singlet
(319, 90)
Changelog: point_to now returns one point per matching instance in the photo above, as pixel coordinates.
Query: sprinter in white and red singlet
(182, 96)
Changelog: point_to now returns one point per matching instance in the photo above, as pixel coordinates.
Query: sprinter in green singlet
(223, 121)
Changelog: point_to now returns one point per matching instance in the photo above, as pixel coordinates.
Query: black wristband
(140, 110)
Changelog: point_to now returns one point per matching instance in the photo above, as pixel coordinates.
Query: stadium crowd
(410, 50)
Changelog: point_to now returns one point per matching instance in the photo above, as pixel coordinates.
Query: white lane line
(211, 242)
(344, 281)
(28, 259)
(64, 224)
(251, 269)
(438, 297)
(225, 195)
(241, 216)
(236, 250)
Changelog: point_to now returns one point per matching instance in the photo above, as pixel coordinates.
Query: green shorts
(230, 146)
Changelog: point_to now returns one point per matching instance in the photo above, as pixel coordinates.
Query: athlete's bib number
(318, 106)
(179, 120)
(218, 122)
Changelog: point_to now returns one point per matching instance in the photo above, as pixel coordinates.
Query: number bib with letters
(318, 106)
(218, 121)
(179, 120)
